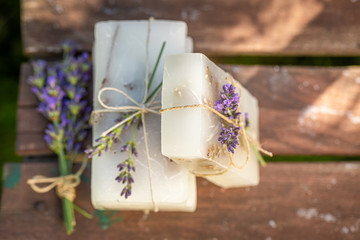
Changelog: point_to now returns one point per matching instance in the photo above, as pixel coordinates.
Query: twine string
(64, 185)
(148, 162)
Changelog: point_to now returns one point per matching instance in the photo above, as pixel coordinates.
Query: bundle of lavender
(61, 90)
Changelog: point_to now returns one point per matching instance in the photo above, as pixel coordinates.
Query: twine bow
(138, 108)
(247, 139)
(64, 185)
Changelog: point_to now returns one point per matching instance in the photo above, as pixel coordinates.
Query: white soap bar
(190, 135)
(119, 56)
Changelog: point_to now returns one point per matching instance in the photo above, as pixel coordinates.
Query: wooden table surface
(227, 27)
(293, 201)
(304, 111)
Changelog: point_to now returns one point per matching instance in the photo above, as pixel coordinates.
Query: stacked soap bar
(190, 135)
(119, 62)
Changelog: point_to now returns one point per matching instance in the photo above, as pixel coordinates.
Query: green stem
(135, 128)
(156, 65)
(68, 207)
(82, 211)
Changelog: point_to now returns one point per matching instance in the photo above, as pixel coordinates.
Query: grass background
(10, 59)
(12, 55)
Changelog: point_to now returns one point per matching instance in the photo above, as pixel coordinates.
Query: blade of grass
(156, 65)
(154, 92)
(82, 211)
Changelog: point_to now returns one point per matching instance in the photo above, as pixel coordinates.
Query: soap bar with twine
(197, 128)
(121, 51)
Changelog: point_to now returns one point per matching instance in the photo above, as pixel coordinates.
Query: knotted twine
(64, 185)
(245, 137)
(139, 108)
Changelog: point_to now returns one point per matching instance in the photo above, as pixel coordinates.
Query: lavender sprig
(126, 167)
(228, 105)
(228, 102)
(105, 142)
(60, 89)
(229, 136)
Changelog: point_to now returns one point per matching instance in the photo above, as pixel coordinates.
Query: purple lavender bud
(228, 102)
(80, 93)
(124, 148)
(247, 121)
(140, 124)
(39, 66)
(68, 46)
(37, 92)
(134, 151)
(84, 57)
(48, 140)
(128, 193)
(106, 148)
(123, 192)
(229, 137)
(124, 179)
(52, 81)
(131, 180)
(120, 166)
(118, 179)
(133, 120)
(235, 115)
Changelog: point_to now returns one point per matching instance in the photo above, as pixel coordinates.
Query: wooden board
(228, 27)
(293, 201)
(303, 110)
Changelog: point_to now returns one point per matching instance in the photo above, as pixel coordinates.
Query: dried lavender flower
(125, 169)
(228, 102)
(230, 137)
(63, 102)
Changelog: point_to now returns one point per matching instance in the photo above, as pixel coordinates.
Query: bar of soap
(119, 56)
(190, 135)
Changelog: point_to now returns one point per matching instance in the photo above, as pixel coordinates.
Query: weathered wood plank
(293, 201)
(25, 96)
(30, 121)
(229, 27)
(31, 144)
(303, 110)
